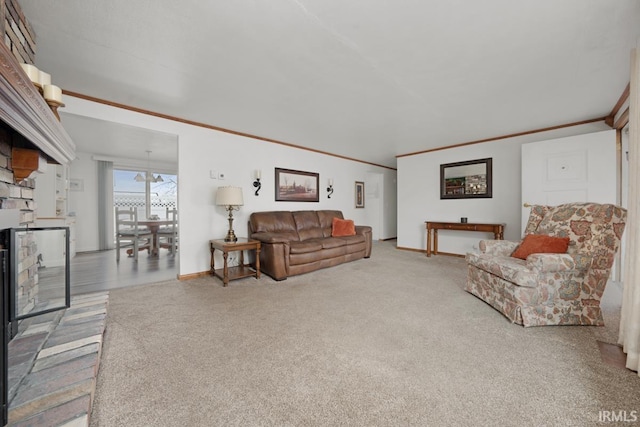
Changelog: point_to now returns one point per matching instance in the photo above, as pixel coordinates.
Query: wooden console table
(496, 229)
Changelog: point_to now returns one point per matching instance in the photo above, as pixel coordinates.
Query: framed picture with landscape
(297, 186)
(359, 194)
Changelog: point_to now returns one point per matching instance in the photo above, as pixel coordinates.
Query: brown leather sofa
(299, 242)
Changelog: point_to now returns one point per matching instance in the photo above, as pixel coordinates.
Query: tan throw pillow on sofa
(541, 244)
(342, 227)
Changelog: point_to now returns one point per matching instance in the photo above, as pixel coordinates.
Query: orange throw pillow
(342, 227)
(541, 244)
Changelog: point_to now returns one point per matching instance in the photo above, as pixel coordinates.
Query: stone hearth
(54, 362)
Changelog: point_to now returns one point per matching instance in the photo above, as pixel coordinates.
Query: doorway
(374, 197)
(103, 151)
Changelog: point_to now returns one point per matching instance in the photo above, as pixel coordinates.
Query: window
(149, 197)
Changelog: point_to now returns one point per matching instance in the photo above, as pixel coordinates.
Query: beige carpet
(392, 340)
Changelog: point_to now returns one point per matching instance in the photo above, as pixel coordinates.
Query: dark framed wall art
(467, 180)
(297, 186)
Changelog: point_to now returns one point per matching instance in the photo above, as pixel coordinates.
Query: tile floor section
(53, 364)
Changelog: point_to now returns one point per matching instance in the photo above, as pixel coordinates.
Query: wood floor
(613, 355)
(99, 271)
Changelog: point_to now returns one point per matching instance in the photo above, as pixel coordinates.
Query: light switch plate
(213, 174)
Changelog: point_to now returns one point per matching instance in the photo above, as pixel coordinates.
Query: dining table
(153, 225)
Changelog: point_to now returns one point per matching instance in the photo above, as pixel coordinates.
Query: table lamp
(231, 199)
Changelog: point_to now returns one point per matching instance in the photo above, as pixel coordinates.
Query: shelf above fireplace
(26, 111)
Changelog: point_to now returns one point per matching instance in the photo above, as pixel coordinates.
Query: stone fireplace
(30, 137)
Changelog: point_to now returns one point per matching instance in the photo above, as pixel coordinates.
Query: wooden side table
(243, 270)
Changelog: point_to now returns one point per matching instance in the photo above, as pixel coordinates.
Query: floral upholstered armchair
(561, 288)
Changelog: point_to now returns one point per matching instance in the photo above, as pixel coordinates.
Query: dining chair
(169, 233)
(128, 231)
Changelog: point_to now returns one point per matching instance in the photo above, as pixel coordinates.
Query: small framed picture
(76, 184)
(359, 194)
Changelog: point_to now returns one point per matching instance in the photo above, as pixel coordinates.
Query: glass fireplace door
(39, 268)
(4, 339)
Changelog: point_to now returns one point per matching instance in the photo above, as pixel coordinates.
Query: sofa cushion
(326, 220)
(307, 246)
(573, 220)
(508, 268)
(342, 227)
(275, 221)
(279, 237)
(331, 242)
(536, 215)
(541, 244)
(355, 243)
(307, 224)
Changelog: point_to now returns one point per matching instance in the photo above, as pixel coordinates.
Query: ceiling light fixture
(148, 176)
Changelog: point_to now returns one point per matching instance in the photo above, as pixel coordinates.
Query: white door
(573, 169)
(624, 197)
(373, 202)
(624, 168)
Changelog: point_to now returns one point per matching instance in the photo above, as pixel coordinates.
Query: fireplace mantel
(25, 110)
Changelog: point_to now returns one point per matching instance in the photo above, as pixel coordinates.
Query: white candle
(32, 72)
(258, 174)
(52, 93)
(44, 78)
(330, 182)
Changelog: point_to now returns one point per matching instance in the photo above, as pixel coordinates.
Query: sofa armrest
(550, 263)
(274, 254)
(365, 230)
(497, 247)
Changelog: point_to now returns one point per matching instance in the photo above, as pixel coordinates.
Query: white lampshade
(229, 196)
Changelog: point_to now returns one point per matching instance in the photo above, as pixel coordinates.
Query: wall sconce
(257, 183)
(330, 188)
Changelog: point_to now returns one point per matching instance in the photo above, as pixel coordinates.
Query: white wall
(201, 150)
(419, 191)
(84, 204)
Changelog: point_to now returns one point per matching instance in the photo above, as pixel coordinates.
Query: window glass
(163, 195)
(129, 192)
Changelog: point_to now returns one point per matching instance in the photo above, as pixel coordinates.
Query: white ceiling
(367, 79)
(121, 141)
